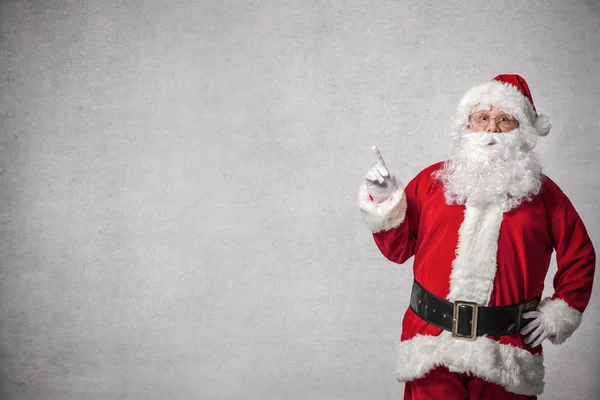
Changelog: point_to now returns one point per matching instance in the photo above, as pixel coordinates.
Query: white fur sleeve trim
(561, 317)
(383, 216)
(516, 369)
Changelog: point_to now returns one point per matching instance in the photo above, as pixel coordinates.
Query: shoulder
(550, 188)
(425, 181)
(551, 193)
(427, 172)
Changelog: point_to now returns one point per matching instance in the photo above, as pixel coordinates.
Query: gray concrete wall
(178, 184)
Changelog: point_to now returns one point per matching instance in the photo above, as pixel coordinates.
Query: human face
(493, 120)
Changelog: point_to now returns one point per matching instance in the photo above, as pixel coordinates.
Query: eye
(504, 119)
(482, 118)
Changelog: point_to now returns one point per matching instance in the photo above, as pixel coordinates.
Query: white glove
(542, 330)
(380, 183)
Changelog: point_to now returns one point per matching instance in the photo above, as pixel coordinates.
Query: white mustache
(482, 139)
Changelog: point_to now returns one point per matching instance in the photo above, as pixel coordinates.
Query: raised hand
(380, 183)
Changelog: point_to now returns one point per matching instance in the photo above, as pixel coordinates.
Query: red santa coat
(487, 256)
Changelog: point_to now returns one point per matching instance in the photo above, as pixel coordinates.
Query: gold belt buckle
(473, 322)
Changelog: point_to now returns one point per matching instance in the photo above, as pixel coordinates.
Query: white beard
(491, 168)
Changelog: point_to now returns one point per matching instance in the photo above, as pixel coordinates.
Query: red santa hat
(511, 94)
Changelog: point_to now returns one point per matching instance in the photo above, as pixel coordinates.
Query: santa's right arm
(393, 221)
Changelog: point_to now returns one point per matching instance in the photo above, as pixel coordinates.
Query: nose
(492, 126)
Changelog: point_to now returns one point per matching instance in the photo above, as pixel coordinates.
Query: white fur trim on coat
(474, 268)
(382, 216)
(562, 319)
(516, 369)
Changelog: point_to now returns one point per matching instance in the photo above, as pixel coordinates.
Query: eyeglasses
(482, 119)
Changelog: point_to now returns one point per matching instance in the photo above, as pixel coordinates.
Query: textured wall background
(178, 184)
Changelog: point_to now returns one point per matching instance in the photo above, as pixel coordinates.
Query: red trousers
(440, 383)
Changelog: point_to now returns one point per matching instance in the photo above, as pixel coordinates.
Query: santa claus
(482, 227)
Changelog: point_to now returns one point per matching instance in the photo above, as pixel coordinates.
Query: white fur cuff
(383, 216)
(561, 317)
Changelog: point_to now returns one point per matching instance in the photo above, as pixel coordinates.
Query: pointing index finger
(375, 151)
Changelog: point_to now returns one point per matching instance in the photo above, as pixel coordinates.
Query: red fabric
(440, 383)
(520, 84)
(526, 241)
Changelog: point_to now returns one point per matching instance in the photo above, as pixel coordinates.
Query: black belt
(468, 320)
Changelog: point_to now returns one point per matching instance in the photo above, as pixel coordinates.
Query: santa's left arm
(576, 261)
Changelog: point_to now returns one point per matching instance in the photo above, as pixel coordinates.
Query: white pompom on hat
(511, 94)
